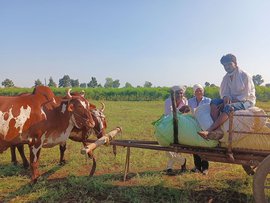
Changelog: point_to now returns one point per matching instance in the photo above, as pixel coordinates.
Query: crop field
(146, 182)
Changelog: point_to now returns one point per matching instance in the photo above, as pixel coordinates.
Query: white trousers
(174, 157)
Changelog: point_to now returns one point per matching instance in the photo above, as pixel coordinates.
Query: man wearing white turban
(194, 102)
(181, 102)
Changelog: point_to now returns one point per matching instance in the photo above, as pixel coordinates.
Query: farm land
(146, 181)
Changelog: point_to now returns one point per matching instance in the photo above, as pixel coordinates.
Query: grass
(146, 180)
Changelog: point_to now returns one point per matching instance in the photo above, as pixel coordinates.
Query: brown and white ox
(78, 135)
(81, 135)
(35, 120)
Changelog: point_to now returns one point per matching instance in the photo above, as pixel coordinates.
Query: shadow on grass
(102, 188)
(7, 170)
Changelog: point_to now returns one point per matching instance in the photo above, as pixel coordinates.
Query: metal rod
(175, 119)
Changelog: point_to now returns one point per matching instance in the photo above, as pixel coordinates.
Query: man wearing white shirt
(237, 92)
(199, 99)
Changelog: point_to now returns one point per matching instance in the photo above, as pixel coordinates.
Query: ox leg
(34, 158)
(62, 153)
(13, 155)
(24, 159)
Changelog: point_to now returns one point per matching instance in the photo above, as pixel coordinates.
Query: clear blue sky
(166, 42)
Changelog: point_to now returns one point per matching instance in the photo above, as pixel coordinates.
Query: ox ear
(70, 107)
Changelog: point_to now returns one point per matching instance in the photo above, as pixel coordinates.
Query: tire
(261, 180)
(249, 169)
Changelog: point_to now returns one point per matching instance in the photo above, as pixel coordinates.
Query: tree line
(66, 81)
(133, 94)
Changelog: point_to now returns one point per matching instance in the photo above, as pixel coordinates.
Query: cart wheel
(250, 170)
(261, 182)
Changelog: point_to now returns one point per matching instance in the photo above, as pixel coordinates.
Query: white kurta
(240, 87)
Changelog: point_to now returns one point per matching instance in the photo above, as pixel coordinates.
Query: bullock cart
(254, 161)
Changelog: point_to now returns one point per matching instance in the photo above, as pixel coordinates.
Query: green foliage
(257, 79)
(207, 84)
(134, 94)
(14, 91)
(93, 83)
(8, 83)
(83, 85)
(74, 83)
(262, 93)
(147, 84)
(38, 82)
(128, 85)
(51, 82)
(110, 83)
(116, 84)
(65, 81)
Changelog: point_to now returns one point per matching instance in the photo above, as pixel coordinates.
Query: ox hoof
(63, 162)
(15, 163)
(26, 166)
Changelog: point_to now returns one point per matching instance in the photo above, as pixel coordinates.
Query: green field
(147, 181)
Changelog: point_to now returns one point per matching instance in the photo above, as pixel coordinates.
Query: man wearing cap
(181, 102)
(194, 102)
(237, 92)
(180, 99)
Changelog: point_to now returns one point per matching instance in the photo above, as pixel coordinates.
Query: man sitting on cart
(237, 92)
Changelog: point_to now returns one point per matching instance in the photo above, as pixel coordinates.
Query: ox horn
(103, 107)
(82, 93)
(68, 94)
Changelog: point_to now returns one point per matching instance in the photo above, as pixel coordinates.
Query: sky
(165, 42)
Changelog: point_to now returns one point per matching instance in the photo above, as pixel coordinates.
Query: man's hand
(184, 109)
(226, 100)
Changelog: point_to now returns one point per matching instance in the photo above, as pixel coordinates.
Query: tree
(38, 82)
(51, 82)
(8, 83)
(65, 81)
(147, 84)
(116, 83)
(83, 85)
(257, 79)
(127, 85)
(74, 83)
(207, 84)
(108, 83)
(93, 83)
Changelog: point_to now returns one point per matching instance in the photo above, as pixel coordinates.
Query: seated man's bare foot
(203, 134)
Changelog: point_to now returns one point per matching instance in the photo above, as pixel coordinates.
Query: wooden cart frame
(254, 162)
